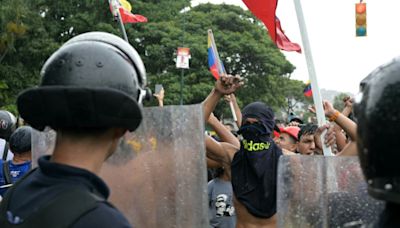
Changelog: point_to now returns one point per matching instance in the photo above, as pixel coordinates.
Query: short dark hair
(83, 132)
(20, 140)
(307, 129)
(218, 172)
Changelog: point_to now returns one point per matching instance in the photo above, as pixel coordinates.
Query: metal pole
(311, 71)
(117, 14)
(183, 45)
(182, 73)
(121, 26)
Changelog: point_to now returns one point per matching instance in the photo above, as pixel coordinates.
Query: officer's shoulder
(104, 215)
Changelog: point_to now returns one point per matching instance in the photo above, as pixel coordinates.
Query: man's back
(16, 171)
(50, 181)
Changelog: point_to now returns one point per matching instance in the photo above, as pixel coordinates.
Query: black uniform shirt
(50, 180)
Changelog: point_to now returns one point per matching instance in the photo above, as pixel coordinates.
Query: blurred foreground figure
(377, 111)
(90, 94)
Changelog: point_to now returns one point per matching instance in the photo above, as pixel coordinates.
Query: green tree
(243, 43)
(24, 44)
(32, 30)
(338, 101)
(244, 47)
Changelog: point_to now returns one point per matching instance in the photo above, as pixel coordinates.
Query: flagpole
(117, 14)
(183, 45)
(312, 74)
(221, 70)
(121, 26)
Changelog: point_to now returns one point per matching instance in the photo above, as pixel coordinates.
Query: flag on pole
(265, 11)
(216, 66)
(307, 90)
(126, 5)
(214, 62)
(124, 8)
(282, 41)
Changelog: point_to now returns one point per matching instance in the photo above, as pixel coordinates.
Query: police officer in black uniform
(90, 94)
(377, 111)
(8, 124)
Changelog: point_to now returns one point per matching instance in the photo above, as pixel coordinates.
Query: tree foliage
(32, 30)
(338, 101)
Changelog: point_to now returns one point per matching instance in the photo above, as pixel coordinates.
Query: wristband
(334, 116)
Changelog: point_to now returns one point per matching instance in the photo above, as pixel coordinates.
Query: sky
(341, 59)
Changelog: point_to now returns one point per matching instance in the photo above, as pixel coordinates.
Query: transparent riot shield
(318, 191)
(157, 176)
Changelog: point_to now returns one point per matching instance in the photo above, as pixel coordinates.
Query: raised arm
(160, 97)
(349, 150)
(343, 121)
(220, 151)
(238, 113)
(348, 106)
(224, 134)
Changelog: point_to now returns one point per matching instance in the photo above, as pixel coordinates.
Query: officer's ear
(118, 132)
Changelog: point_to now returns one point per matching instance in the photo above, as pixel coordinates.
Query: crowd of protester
(292, 137)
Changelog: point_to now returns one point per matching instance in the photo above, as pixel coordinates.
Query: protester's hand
(312, 109)
(228, 84)
(227, 98)
(230, 98)
(329, 109)
(330, 136)
(160, 95)
(348, 102)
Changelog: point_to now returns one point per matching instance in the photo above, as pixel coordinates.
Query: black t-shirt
(50, 180)
(254, 176)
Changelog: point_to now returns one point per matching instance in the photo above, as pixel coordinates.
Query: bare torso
(247, 220)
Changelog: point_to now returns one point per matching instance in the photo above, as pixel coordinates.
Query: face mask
(252, 130)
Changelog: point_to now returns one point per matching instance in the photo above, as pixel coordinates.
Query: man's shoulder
(103, 215)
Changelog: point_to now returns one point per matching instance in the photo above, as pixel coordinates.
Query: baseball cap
(292, 131)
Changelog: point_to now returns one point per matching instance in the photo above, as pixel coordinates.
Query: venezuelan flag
(214, 63)
(307, 90)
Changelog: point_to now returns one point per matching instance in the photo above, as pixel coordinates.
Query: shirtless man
(253, 166)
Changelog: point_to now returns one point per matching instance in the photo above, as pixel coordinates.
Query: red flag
(282, 41)
(128, 17)
(265, 11)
